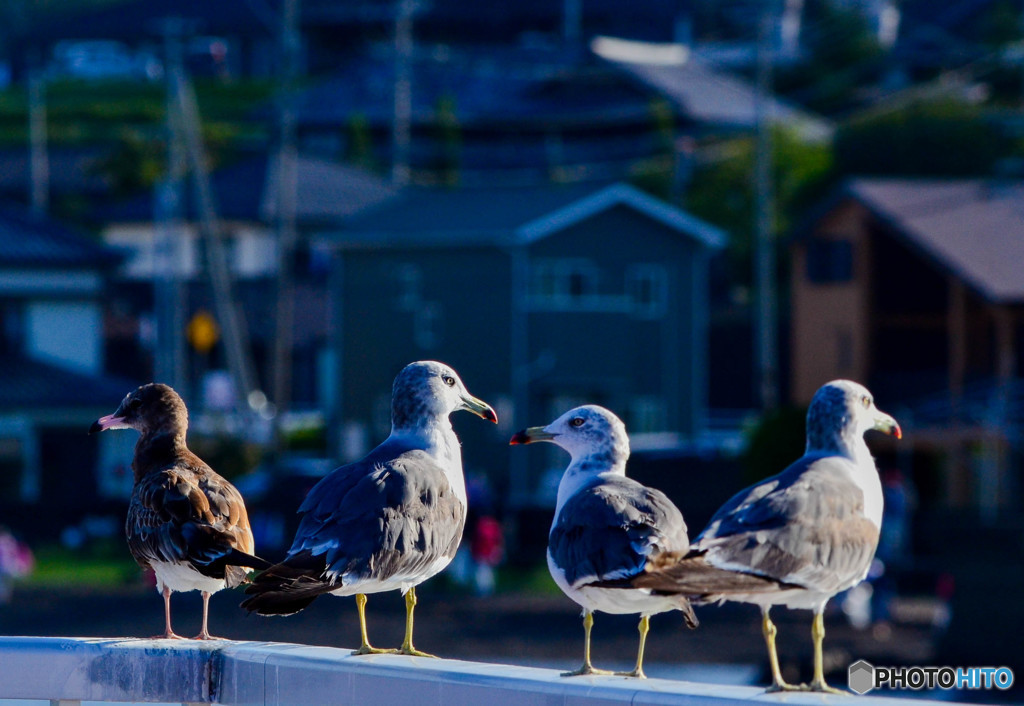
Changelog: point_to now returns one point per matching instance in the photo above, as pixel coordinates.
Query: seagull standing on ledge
(797, 538)
(389, 521)
(606, 525)
(185, 522)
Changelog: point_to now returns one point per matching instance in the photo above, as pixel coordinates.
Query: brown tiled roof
(973, 228)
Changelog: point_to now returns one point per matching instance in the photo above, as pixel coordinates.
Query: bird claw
(167, 636)
(779, 687)
(370, 650)
(585, 670)
(413, 652)
(206, 636)
(636, 673)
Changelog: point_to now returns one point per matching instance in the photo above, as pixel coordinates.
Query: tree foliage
(943, 138)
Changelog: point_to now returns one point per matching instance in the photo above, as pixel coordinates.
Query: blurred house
(481, 114)
(708, 98)
(159, 239)
(915, 287)
(52, 286)
(542, 298)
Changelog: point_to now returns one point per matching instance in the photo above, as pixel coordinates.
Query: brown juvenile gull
(185, 522)
(389, 521)
(797, 538)
(606, 525)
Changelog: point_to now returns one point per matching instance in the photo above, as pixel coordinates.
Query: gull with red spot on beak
(607, 525)
(798, 538)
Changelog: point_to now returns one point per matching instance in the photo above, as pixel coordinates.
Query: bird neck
(436, 437)
(156, 450)
(842, 443)
(585, 470)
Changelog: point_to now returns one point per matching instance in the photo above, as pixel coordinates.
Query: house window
(647, 290)
(12, 337)
(565, 281)
(829, 261)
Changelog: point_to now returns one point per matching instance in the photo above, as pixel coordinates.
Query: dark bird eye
(135, 404)
(576, 422)
(448, 380)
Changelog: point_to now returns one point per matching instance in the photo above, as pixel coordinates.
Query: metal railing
(66, 671)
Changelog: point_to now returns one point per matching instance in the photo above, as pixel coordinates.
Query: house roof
(429, 217)
(32, 384)
(72, 169)
(972, 228)
(702, 92)
(244, 191)
(38, 241)
(492, 88)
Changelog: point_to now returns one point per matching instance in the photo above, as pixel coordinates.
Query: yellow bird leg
(638, 671)
(818, 635)
(587, 668)
(365, 648)
(769, 631)
(407, 648)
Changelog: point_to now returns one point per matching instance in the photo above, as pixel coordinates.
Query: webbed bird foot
(367, 649)
(585, 670)
(408, 649)
(638, 673)
(779, 688)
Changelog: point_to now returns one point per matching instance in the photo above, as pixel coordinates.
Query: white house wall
(66, 333)
(252, 251)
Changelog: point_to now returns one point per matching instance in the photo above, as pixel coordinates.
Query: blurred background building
(692, 211)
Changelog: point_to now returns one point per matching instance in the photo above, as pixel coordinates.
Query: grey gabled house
(542, 298)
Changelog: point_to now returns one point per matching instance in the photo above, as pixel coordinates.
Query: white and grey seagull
(798, 538)
(184, 521)
(606, 525)
(389, 521)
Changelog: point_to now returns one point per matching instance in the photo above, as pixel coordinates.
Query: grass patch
(103, 565)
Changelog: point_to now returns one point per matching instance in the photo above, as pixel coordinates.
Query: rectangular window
(564, 281)
(829, 261)
(647, 290)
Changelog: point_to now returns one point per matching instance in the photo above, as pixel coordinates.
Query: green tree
(927, 138)
(722, 191)
(842, 53)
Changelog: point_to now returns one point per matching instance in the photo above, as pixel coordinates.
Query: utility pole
(286, 194)
(39, 163)
(765, 285)
(401, 128)
(170, 305)
(232, 323)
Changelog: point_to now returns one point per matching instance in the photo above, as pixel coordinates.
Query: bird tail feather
(692, 576)
(285, 588)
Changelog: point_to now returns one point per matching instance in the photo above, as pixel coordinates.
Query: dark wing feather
(186, 512)
(377, 518)
(608, 529)
(805, 527)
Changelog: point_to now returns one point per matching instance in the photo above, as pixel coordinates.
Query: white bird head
(427, 390)
(840, 413)
(593, 436)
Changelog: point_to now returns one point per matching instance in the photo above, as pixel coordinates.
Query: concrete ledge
(279, 674)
